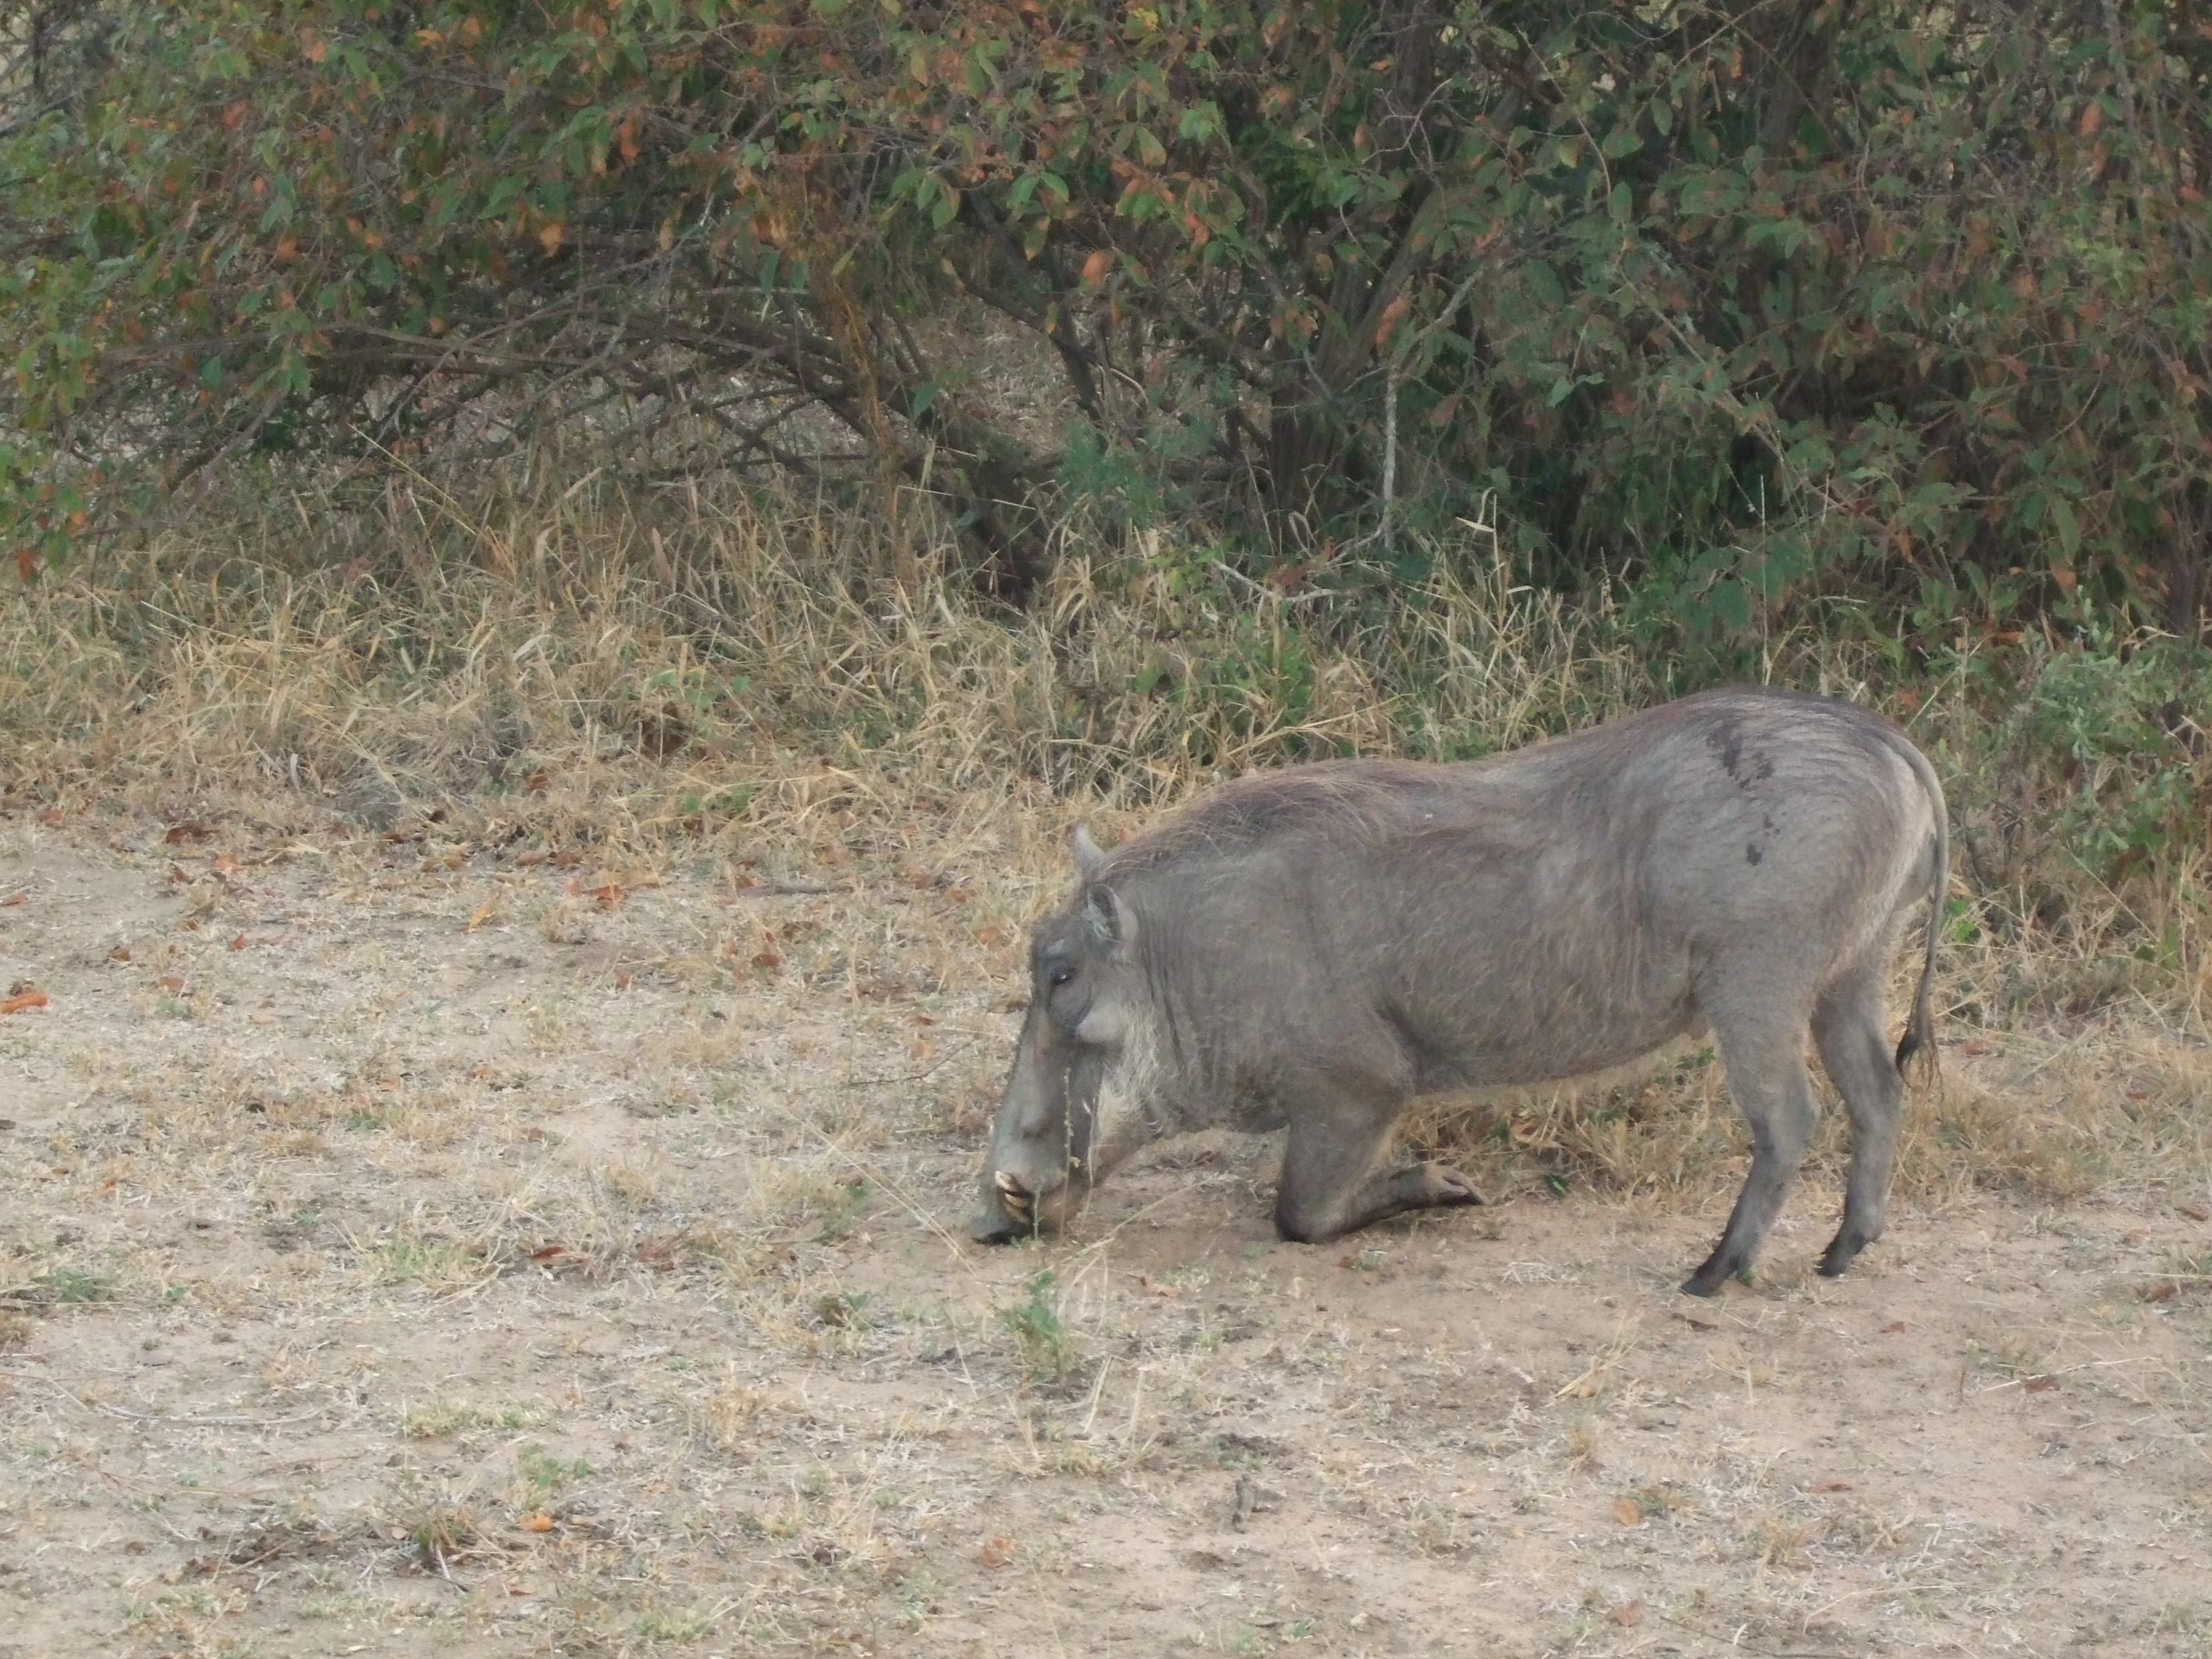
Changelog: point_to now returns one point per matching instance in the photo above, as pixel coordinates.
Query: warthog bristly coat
(1314, 948)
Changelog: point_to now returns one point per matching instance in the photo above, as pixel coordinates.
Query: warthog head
(1075, 1106)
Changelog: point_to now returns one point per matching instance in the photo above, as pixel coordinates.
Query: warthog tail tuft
(1919, 1038)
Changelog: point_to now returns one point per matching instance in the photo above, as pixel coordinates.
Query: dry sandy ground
(419, 1247)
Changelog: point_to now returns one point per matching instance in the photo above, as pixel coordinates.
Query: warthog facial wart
(1316, 948)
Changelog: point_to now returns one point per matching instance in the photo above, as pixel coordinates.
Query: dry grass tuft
(597, 686)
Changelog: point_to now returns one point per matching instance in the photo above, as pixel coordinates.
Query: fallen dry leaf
(171, 983)
(1627, 1510)
(923, 1048)
(2194, 1213)
(607, 895)
(120, 953)
(993, 935)
(1152, 1288)
(2165, 1291)
(238, 941)
(24, 1001)
(768, 959)
(1832, 1486)
(13, 898)
(1628, 1615)
(483, 914)
(537, 1520)
(997, 1552)
(51, 817)
(1893, 1328)
(535, 855)
(2040, 1384)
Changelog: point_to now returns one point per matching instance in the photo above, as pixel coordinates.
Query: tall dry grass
(686, 672)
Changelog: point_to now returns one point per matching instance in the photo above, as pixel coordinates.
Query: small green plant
(410, 1261)
(442, 1534)
(544, 1474)
(75, 1285)
(844, 1218)
(434, 1419)
(668, 1625)
(1047, 1350)
(844, 1310)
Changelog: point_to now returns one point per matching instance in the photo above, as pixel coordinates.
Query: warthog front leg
(1326, 1189)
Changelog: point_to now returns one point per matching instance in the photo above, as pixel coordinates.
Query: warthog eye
(1060, 976)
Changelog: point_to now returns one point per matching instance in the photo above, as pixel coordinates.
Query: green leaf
(2068, 527)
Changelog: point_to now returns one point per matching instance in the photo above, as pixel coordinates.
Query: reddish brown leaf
(997, 1552)
(1628, 1615)
(537, 1520)
(238, 941)
(1832, 1486)
(2040, 1384)
(1393, 314)
(13, 898)
(1627, 1510)
(23, 1001)
(768, 959)
(1893, 1328)
(2165, 1291)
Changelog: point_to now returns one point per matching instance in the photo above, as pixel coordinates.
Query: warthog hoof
(1717, 1269)
(1447, 1187)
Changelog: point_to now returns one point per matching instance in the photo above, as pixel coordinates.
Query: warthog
(1317, 947)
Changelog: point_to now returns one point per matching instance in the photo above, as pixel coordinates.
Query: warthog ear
(1106, 918)
(1089, 859)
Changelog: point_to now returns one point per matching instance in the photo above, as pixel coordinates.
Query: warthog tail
(1919, 1030)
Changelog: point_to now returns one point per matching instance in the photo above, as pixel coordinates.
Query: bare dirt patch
(413, 1244)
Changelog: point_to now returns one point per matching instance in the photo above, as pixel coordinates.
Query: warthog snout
(1011, 1207)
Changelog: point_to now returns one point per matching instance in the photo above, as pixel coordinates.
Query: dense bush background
(1896, 301)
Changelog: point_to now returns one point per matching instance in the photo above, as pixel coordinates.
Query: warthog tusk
(1012, 1193)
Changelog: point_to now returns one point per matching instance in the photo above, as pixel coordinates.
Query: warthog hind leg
(1326, 1187)
(1766, 1075)
(1847, 1030)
